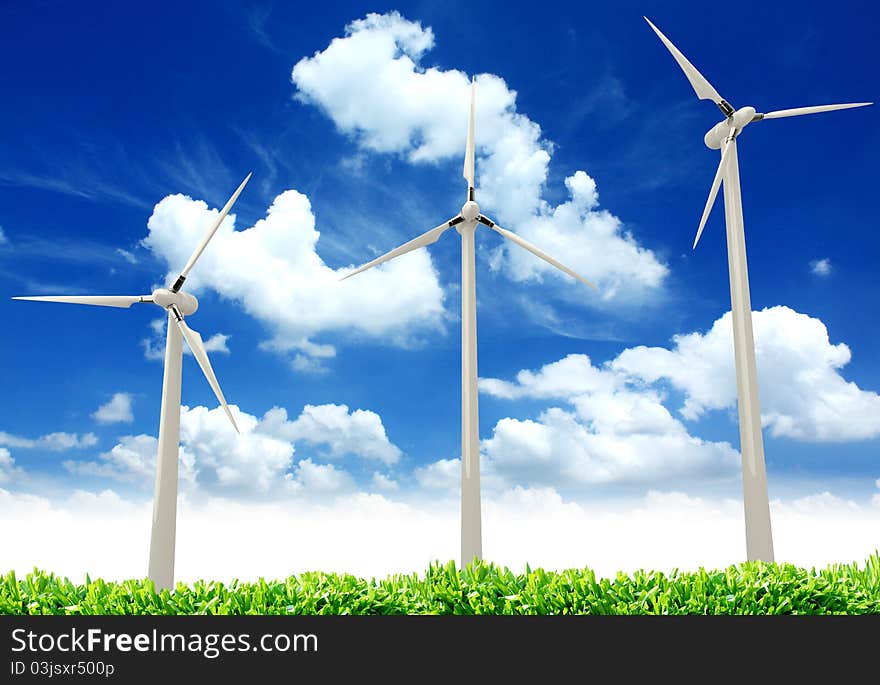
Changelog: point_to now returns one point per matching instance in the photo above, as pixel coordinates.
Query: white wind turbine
(759, 538)
(178, 304)
(465, 222)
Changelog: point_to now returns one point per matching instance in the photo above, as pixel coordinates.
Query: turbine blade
(778, 114)
(469, 148)
(124, 301)
(194, 340)
(426, 238)
(703, 89)
(713, 191)
(535, 251)
(209, 234)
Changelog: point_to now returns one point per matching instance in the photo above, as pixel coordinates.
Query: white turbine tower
(759, 538)
(178, 304)
(466, 222)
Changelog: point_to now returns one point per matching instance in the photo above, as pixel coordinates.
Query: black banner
(123, 649)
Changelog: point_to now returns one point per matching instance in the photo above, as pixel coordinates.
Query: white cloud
(8, 470)
(803, 394)
(216, 344)
(320, 479)
(3, 238)
(384, 483)
(213, 458)
(275, 272)
(127, 256)
(370, 535)
(359, 432)
(443, 475)
(618, 433)
(589, 240)
(154, 346)
(249, 462)
(378, 62)
(260, 460)
(571, 375)
(56, 442)
(131, 460)
(116, 410)
(617, 429)
(573, 449)
(821, 267)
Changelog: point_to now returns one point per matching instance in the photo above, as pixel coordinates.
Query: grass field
(750, 588)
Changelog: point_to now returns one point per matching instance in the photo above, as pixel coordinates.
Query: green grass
(750, 588)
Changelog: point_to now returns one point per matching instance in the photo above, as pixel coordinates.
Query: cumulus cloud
(116, 410)
(216, 344)
(612, 432)
(590, 240)
(274, 271)
(821, 267)
(213, 458)
(131, 460)
(260, 460)
(56, 442)
(383, 482)
(571, 375)
(8, 470)
(319, 479)
(359, 432)
(803, 394)
(154, 346)
(443, 474)
(616, 427)
(383, 54)
(246, 462)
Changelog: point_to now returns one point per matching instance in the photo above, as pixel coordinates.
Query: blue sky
(108, 112)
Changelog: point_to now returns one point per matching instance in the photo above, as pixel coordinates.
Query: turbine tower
(722, 136)
(466, 222)
(178, 305)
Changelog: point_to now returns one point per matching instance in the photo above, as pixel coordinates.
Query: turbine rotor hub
(741, 118)
(470, 211)
(186, 304)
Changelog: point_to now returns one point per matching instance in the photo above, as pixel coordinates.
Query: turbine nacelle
(741, 118)
(186, 304)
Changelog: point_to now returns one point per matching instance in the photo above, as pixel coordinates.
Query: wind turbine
(466, 222)
(759, 537)
(178, 304)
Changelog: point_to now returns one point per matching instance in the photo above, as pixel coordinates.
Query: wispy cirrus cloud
(75, 181)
